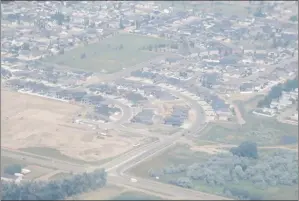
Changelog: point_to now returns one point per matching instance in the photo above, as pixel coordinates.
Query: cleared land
(44, 127)
(108, 55)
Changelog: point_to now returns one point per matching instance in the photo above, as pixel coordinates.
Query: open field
(112, 192)
(105, 193)
(107, 56)
(132, 195)
(262, 131)
(31, 122)
(182, 155)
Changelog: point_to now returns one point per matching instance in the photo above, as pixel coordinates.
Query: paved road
(118, 166)
(126, 111)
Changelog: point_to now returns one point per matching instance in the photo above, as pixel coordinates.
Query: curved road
(117, 168)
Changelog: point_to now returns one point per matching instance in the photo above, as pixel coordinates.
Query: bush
(54, 190)
(246, 149)
(184, 182)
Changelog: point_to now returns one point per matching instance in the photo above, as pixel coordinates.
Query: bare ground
(31, 121)
(221, 148)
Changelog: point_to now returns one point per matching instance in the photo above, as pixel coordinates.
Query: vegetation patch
(263, 132)
(248, 174)
(54, 190)
(50, 152)
(110, 55)
(10, 166)
(179, 154)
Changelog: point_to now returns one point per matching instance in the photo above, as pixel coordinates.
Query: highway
(117, 168)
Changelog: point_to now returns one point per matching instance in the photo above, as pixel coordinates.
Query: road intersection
(117, 168)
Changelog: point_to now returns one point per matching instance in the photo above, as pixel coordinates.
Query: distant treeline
(54, 190)
(276, 92)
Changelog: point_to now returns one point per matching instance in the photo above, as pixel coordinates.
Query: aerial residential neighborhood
(173, 99)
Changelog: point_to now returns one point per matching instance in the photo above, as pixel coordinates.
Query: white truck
(133, 180)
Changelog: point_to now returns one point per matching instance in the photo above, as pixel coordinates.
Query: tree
(246, 149)
(184, 182)
(54, 190)
(12, 169)
(58, 17)
(83, 56)
(239, 171)
(137, 24)
(150, 47)
(121, 25)
(294, 18)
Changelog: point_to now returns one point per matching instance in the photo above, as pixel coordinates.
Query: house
(178, 116)
(172, 60)
(221, 109)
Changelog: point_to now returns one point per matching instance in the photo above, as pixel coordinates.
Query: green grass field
(5, 161)
(179, 154)
(132, 195)
(41, 152)
(260, 130)
(50, 152)
(105, 56)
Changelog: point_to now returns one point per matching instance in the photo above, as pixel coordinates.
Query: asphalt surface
(125, 110)
(117, 168)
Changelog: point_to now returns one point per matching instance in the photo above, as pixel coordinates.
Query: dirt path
(240, 119)
(213, 148)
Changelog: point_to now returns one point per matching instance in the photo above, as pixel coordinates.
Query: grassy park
(109, 55)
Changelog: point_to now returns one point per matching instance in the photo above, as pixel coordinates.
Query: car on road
(133, 180)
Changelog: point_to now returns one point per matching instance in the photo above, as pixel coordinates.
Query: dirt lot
(31, 121)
